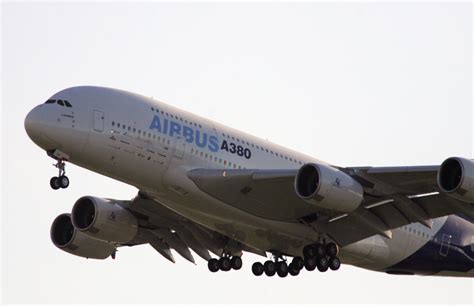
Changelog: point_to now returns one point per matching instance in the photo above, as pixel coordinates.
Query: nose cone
(33, 124)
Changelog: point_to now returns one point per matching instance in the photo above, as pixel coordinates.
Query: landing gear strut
(60, 181)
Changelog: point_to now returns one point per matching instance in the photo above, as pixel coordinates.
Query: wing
(393, 197)
(166, 230)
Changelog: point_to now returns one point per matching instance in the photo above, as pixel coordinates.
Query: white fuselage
(151, 145)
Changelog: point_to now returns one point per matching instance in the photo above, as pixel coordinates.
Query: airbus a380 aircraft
(206, 187)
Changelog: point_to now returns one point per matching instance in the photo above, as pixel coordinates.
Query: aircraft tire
(282, 269)
(323, 264)
(298, 262)
(334, 263)
(63, 181)
(319, 250)
(331, 249)
(310, 263)
(308, 251)
(293, 269)
(269, 268)
(54, 183)
(224, 264)
(236, 262)
(257, 269)
(213, 265)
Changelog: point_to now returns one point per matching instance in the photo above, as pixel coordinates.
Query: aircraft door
(98, 120)
(179, 148)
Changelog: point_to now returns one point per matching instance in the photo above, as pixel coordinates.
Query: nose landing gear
(60, 181)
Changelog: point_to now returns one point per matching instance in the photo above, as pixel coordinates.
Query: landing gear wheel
(308, 251)
(331, 249)
(54, 183)
(269, 268)
(293, 269)
(224, 264)
(298, 262)
(319, 250)
(323, 264)
(213, 265)
(334, 263)
(63, 181)
(236, 262)
(310, 263)
(257, 269)
(282, 269)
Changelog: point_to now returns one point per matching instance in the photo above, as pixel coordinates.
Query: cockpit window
(60, 102)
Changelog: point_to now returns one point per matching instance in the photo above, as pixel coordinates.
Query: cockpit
(64, 103)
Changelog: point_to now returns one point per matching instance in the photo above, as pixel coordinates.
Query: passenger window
(60, 102)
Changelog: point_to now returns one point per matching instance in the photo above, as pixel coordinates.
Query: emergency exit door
(98, 120)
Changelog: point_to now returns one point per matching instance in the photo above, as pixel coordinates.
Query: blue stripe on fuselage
(429, 259)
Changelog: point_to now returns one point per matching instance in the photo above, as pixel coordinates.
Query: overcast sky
(351, 84)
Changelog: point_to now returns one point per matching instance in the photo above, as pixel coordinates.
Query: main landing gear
(60, 181)
(278, 266)
(320, 256)
(225, 263)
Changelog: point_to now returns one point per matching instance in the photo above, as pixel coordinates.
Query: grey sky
(352, 84)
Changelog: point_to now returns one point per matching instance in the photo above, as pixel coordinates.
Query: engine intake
(328, 188)
(67, 238)
(456, 178)
(104, 219)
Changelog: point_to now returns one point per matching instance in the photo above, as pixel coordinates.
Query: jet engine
(104, 219)
(328, 188)
(67, 238)
(456, 178)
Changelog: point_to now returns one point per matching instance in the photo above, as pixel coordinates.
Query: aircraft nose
(33, 123)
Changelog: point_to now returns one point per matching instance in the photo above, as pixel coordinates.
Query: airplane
(215, 190)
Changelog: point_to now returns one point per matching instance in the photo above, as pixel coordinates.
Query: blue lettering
(156, 123)
(213, 144)
(198, 141)
(175, 128)
(165, 127)
(188, 133)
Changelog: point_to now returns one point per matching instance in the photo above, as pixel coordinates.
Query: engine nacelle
(67, 238)
(328, 188)
(104, 219)
(456, 178)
